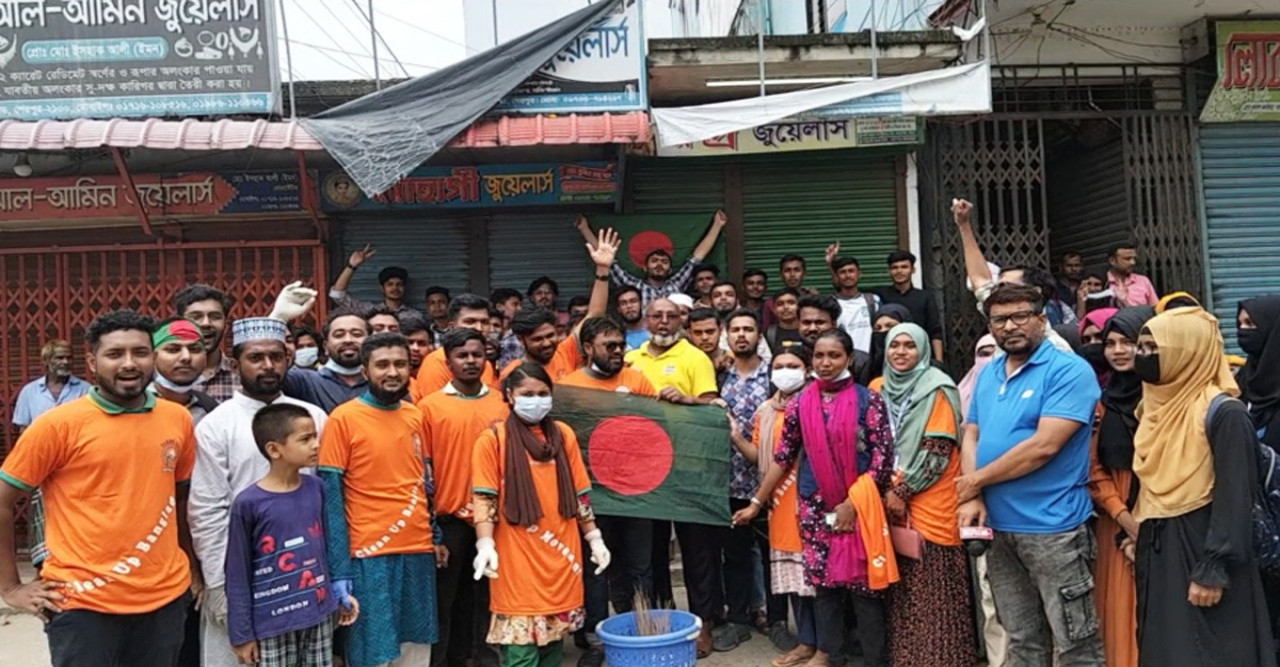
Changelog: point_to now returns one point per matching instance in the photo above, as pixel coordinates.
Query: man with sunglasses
(1025, 462)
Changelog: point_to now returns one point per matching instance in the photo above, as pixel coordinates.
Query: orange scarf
(882, 565)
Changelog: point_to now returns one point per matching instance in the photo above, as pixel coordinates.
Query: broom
(648, 623)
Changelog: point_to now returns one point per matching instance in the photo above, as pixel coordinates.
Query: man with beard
(626, 302)
(724, 298)
(818, 315)
(536, 327)
(228, 462)
(658, 280)
(208, 308)
(630, 538)
(682, 374)
(543, 293)
(57, 387)
(417, 333)
(453, 418)
(373, 462)
(1070, 273)
(393, 280)
(114, 466)
(340, 379)
(438, 311)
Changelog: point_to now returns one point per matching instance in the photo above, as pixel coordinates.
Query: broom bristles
(648, 623)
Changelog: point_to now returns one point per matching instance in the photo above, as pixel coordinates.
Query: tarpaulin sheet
(381, 137)
(954, 90)
(648, 458)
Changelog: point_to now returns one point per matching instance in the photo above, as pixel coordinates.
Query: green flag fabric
(677, 233)
(650, 459)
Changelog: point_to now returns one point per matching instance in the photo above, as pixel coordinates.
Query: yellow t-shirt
(683, 366)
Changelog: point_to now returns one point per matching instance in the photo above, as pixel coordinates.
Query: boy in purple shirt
(280, 603)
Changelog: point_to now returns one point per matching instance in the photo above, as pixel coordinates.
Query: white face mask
(664, 341)
(306, 357)
(788, 380)
(532, 409)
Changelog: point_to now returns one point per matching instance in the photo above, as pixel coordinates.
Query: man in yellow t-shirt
(114, 468)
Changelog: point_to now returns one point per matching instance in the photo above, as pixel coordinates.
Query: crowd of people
(394, 489)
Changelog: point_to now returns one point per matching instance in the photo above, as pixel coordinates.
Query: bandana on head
(184, 331)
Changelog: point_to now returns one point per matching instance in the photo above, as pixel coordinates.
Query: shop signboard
(603, 69)
(807, 135)
(489, 185)
(71, 59)
(180, 195)
(1248, 86)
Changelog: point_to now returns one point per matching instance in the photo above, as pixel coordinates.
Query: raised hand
(962, 211)
(721, 218)
(361, 256)
(832, 251)
(606, 248)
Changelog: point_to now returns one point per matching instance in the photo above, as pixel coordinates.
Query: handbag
(907, 541)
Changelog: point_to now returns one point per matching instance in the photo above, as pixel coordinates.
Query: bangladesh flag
(678, 234)
(650, 459)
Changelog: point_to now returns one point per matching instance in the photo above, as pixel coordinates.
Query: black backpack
(1266, 498)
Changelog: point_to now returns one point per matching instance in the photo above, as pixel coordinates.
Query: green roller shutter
(674, 185)
(432, 248)
(801, 203)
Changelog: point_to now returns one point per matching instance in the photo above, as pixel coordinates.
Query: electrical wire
(1118, 40)
(355, 39)
(324, 52)
(369, 19)
(424, 30)
(320, 26)
(329, 48)
(1125, 57)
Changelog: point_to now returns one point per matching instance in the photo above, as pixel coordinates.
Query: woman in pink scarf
(983, 352)
(839, 432)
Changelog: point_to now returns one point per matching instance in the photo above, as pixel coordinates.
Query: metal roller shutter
(1089, 203)
(523, 247)
(433, 250)
(1240, 166)
(800, 203)
(672, 185)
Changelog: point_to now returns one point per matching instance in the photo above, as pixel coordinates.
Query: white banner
(951, 91)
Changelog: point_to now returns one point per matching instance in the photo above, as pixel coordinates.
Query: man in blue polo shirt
(1025, 457)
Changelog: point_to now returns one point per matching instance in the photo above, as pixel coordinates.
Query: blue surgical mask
(306, 357)
(532, 409)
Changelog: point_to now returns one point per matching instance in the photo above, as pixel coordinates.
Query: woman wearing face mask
(1200, 599)
(790, 372)
(1092, 343)
(929, 609)
(1259, 338)
(529, 482)
(884, 319)
(982, 355)
(838, 431)
(1112, 489)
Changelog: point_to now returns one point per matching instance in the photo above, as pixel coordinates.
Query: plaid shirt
(745, 394)
(223, 384)
(509, 350)
(678, 282)
(345, 300)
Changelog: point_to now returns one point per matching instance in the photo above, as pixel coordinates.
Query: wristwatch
(604, 278)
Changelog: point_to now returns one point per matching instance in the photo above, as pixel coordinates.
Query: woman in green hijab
(930, 613)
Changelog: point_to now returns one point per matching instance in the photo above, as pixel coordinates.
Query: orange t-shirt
(627, 381)
(566, 360)
(451, 424)
(380, 453)
(539, 568)
(109, 484)
(434, 373)
(784, 522)
(933, 511)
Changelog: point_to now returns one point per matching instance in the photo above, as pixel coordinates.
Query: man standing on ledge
(658, 280)
(393, 280)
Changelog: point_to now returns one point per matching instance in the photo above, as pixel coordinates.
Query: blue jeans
(1041, 581)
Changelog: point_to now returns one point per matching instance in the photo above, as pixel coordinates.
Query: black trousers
(660, 562)
(872, 628)
(79, 637)
(700, 550)
(630, 541)
(190, 654)
(739, 569)
(462, 603)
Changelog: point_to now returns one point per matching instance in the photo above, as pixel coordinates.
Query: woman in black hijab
(885, 318)
(1114, 489)
(1259, 338)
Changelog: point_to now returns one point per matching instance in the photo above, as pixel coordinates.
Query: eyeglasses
(1019, 318)
(612, 345)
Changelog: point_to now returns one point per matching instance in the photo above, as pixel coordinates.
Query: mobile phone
(831, 519)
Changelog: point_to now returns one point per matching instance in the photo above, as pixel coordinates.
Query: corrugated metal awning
(191, 134)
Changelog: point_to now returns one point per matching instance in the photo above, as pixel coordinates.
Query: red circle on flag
(640, 245)
(630, 455)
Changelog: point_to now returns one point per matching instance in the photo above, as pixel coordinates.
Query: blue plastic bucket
(677, 648)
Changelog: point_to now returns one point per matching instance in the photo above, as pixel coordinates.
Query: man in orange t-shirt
(466, 311)
(453, 418)
(113, 467)
(604, 344)
(379, 533)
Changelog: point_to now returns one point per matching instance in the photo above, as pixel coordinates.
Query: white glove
(486, 562)
(215, 605)
(599, 552)
(293, 302)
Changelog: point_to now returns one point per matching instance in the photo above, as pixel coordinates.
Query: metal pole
(875, 53)
(288, 59)
(760, 50)
(494, 7)
(373, 37)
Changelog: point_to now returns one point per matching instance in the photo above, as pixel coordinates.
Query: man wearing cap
(228, 461)
(393, 280)
(658, 281)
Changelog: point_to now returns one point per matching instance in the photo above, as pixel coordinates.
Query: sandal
(796, 656)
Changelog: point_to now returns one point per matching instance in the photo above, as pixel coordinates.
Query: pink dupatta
(831, 447)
